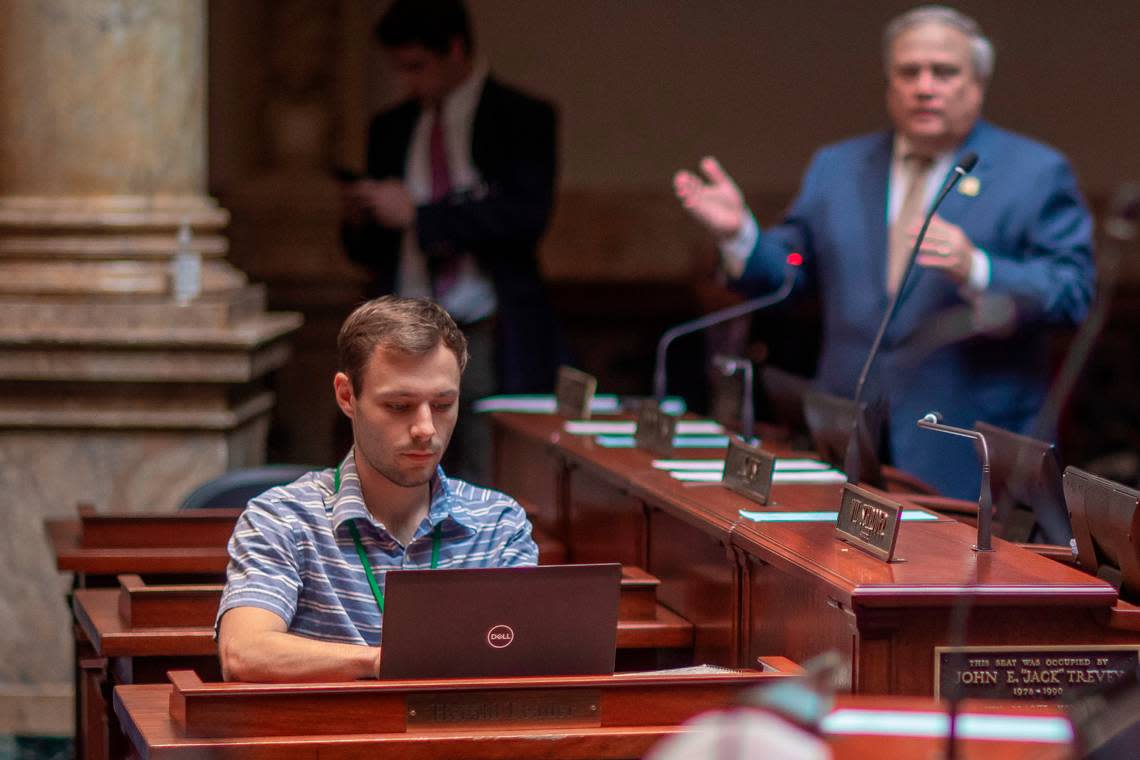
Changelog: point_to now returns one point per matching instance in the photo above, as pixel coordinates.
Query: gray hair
(981, 49)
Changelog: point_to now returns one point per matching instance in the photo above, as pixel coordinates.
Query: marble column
(111, 392)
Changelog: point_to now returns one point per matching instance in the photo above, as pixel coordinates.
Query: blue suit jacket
(1029, 217)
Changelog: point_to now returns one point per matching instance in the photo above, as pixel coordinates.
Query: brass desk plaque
(1030, 673)
(869, 522)
(748, 471)
(574, 393)
(565, 708)
(655, 429)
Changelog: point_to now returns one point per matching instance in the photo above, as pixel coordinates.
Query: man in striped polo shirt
(304, 588)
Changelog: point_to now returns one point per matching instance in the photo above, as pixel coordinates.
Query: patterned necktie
(916, 170)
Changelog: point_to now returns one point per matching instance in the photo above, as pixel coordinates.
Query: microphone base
(980, 550)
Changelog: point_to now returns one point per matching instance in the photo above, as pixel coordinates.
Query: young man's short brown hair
(409, 325)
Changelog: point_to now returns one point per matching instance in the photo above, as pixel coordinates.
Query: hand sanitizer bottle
(186, 269)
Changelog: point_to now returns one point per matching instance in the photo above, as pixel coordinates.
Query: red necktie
(437, 148)
(446, 270)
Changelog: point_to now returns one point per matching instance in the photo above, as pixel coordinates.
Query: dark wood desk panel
(627, 715)
(604, 522)
(161, 722)
(699, 580)
(604, 515)
(194, 527)
(86, 547)
(691, 550)
(526, 465)
(805, 593)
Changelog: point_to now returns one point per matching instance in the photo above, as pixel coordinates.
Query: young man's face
(404, 415)
(934, 96)
(427, 76)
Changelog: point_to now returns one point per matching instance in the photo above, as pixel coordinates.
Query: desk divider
(143, 606)
(191, 528)
(180, 606)
(232, 710)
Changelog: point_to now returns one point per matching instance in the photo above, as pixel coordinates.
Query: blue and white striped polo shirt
(292, 553)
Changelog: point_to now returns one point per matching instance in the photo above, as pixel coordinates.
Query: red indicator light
(795, 259)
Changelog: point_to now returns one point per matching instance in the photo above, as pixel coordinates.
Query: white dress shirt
(472, 297)
(736, 250)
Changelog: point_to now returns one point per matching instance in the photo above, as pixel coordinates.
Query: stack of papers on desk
(779, 476)
(540, 403)
(679, 442)
(782, 464)
(908, 515)
(628, 427)
(787, 470)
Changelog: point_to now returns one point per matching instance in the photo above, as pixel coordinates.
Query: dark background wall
(644, 86)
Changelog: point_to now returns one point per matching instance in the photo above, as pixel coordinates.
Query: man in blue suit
(1016, 231)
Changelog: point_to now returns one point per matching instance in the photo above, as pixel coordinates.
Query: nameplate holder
(560, 708)
(869, 522)
(748, 471)
(574, 393)
(655, 429)
(1031, 673)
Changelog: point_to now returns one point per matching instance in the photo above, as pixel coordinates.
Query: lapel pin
(970, 186)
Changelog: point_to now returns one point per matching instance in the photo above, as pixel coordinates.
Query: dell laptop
(552, 620)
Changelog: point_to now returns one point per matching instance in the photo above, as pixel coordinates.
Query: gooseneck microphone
(933, 421)
(794, 261)
(852, 462)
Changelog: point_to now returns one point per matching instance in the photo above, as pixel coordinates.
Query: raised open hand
(715, 201)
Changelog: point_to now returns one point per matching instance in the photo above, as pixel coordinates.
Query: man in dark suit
(1016, 229)
(459, 191)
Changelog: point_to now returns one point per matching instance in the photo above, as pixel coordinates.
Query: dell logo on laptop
(500, 636)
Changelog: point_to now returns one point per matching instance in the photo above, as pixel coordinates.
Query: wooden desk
(792, 587)
(570, 717)
(606, 506)
(804, 589)
(97, 547)
(190, 547)
(139, 631)
(140, 619)
(579, 717)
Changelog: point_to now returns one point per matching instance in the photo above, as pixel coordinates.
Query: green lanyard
(436, 539)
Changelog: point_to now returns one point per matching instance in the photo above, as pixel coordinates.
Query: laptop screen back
(500, 622)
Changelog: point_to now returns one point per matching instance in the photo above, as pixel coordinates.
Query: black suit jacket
(513, 145)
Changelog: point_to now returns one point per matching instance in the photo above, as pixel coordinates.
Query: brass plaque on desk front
(566, 708)
(1043, 673)
(748, 470)
(655, 429)
(574, 393)
(869, 521)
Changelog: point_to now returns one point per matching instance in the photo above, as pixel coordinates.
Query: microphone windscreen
(968, 162)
